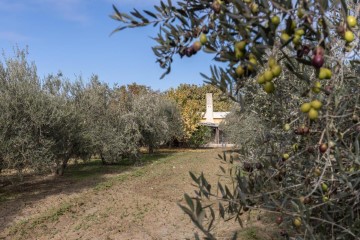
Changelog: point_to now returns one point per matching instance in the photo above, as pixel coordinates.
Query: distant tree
(245, 129)
(158, 119)
(123, 118)
(45, 123)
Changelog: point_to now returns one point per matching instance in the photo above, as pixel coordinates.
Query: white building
(213, 119)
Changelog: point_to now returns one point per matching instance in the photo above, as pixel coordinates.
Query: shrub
(200, 136)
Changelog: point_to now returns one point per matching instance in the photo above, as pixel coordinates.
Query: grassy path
(111, 202)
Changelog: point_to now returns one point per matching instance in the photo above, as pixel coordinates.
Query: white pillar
(209, 108)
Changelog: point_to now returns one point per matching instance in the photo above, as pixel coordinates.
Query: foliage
(45, 123)
(294, 65)
(111, 125)
(159, 120)
(200, 136)
(39, 127)
(244, 130)
(191, 100)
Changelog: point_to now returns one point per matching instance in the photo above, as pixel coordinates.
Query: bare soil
(116, 202)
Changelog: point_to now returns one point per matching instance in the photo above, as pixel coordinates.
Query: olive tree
(23, 111)
(66, 126)
(111, 127)
(40, 128)
(122, 119)
(244, 130)
(158, 119)
(294, 64)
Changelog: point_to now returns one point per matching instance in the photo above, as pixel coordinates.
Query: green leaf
(127, 16)
(212, 218)
(221, 211)
(198, 208)
(344, 8)
(324, 4)
(118, 14)
(204, 76)
(195, 179)
(220, 187)
(209, 49)
(150, 14)
(182, 19)
(136, 14)
(187, 211)
(189, 201)
(228, 193)
(166, 73)
(118, 29)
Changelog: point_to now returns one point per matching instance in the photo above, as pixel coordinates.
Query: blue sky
(73, 36)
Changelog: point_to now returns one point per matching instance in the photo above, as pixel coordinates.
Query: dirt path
(138, 203)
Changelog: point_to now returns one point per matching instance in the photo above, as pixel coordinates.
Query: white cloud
(11, 5)
(13, 36)
(135, 3)
(72, 10)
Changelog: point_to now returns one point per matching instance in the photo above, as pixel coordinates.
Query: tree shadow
(77, 177)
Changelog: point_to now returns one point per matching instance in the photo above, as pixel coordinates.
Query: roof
(209, 124)
(220, 115)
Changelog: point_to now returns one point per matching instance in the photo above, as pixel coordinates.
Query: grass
(123, 176)
(86, 223)
(92, 168)
(81, 172)
(52, 215)
(95, 168)
(104, 185)
(6, 197)
(118, 179)
(250, 234)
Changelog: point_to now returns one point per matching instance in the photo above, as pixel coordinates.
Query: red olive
(323, 147)
(318, 61)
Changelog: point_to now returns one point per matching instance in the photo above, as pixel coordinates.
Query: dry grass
(116, 202)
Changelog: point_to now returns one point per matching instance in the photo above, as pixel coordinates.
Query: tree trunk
(1, 164)
(103, 161)
(61, 168)
(151, 149)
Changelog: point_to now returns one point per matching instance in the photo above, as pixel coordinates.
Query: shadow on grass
(77, 177)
